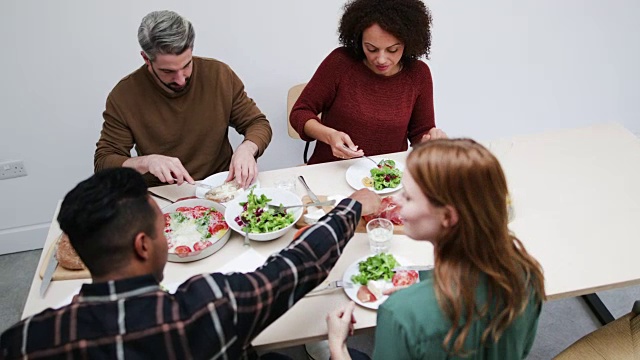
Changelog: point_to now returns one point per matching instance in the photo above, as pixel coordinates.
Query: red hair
(465, 175)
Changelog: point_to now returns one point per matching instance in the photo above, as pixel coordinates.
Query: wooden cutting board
(306, 200)
(362, 225)
(61, 273)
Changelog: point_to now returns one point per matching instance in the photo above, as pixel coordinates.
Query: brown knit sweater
(191, 125)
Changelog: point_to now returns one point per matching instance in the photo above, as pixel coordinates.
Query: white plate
(277, 196)
(352, 291)
(216, 180)
(362, 168)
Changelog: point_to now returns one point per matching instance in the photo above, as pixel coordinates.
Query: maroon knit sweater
(378, 112)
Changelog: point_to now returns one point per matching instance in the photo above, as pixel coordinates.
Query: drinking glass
(380, 232)
(286, 183)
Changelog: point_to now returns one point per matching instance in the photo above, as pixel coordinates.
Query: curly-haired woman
(483, 298)
(373, 92)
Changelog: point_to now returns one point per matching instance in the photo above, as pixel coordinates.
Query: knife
(205, 186)
(51, 268)
(413, 267)
(312, 196)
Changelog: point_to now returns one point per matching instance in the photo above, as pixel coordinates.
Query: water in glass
(380, 232)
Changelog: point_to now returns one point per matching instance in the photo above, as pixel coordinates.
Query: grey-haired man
(176, 110)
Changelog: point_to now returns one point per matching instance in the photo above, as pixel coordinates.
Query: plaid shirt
(211, 316)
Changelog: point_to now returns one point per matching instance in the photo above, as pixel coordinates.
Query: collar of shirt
(118, 289)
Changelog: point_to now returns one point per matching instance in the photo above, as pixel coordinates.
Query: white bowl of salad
(249, 212)
(194, 229)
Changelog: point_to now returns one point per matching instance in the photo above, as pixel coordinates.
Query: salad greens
(201, 223)
(255, 219)
(386, 175)
(376, 267)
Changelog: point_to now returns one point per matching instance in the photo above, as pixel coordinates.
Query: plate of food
(249, 211)
(194, 229)
(383, 178)
(220, 191)
(371, 275)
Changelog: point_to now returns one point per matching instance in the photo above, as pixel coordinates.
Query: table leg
(598, 308)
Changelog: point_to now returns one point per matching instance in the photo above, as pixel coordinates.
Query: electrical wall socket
(12, 169)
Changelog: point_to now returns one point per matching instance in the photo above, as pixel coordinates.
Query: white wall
(500, 68)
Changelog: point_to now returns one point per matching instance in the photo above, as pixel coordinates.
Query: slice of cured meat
(388, 209)
(365, 295)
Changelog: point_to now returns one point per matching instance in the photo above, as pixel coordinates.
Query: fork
(373, 161)
(331, 286)
(364, 156)
(279, 209)
(246, 239)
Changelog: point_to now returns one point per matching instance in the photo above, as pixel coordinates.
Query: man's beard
(177, 88)
(172, 86)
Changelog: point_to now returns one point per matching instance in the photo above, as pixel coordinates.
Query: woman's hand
(341, 145)
(434, 134)
(340, 326)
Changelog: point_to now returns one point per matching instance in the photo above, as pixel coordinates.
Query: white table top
(576, 195)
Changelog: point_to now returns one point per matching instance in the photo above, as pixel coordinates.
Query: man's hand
(339, 327)
(370, 201)
(434, 134)
(167, 169)
(243, 165)
(341, 145)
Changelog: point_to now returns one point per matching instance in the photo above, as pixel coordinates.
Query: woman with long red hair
(484, 296)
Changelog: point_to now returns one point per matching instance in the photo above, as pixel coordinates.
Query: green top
(412, 326)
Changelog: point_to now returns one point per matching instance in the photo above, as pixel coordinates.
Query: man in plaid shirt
(118, 231)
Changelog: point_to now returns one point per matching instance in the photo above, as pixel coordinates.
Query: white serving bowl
(208, 251)
(277, 196)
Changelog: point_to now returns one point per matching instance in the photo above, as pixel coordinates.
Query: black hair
(408, 20)
(103, 214)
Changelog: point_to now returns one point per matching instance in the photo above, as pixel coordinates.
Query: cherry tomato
(199, 211)
(182, 249)
(217, 215)
(404, 278)
(199, 245)
(214, 228)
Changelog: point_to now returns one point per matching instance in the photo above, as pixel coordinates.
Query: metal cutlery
(169, 200)
(336, 284)
(246, 239)
(364, 156)
(203, 185)
(160, 197)
(373, 161)
(312, 196)
(281, 209)
(51, 268)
